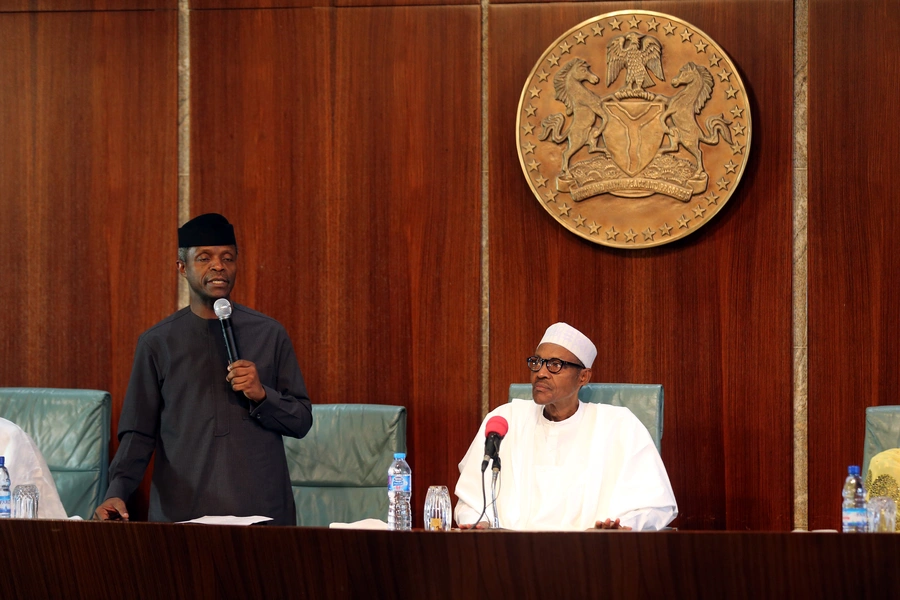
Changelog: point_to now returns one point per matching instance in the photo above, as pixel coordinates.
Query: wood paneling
(708, 317)
(854, 326)
(87, 192)
(81, 5)
(264, 4)
(345, 146)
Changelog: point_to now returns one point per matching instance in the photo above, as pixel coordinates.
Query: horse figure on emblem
(582, 104)
(689, 101)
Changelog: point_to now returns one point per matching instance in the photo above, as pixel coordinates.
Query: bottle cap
(2, 461)
(853, 470)
(399, 455)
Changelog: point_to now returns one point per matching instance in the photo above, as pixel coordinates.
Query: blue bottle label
(400, 483)
(855, 517)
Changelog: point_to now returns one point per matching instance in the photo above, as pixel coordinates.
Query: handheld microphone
(222, 307)
(494, 431)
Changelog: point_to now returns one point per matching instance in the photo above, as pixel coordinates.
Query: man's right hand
(113, 509)
(480, 525)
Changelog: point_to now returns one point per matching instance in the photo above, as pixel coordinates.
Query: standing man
(216, 428)
(568, 465)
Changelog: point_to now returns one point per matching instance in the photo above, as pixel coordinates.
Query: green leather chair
(882, 432)
(339, 470)
(71, 428)
(644, 400)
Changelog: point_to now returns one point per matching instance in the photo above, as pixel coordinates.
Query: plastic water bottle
(5, 504)
(399, 491)
(853, 513)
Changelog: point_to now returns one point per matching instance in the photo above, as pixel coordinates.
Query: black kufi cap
(211, 229)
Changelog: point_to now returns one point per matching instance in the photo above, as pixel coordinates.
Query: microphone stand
(495, 471)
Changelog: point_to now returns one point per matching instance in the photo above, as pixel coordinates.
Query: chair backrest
(71, 428)
(882, 432)
(339, 470)
(644, 400)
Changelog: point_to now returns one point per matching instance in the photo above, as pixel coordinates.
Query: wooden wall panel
(854, 326)
(80, 5)
(87, 193)
(708, 317)
(353, 179)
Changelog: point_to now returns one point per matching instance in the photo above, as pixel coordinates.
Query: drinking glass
(882, 514)
(25, 502)
(438, 511)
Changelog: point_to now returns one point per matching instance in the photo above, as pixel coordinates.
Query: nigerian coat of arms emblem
(618, 153)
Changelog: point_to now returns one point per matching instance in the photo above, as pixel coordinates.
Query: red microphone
(494, 431)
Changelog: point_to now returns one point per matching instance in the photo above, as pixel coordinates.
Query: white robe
(599, 464)
(26, 464)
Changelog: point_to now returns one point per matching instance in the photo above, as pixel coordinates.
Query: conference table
(78, 559)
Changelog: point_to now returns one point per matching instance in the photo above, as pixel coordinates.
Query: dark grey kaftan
(216, 452)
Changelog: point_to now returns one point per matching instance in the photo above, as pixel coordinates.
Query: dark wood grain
(87, 192)
(107, 560)
(853, 219)
(351, 166)
(84, 5)
(708, 317)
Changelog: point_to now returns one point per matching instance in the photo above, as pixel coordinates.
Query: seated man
(26, 465)
(567, 465)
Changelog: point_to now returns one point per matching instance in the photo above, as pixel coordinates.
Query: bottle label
(400, 483)
(4, 505)
(854, 517)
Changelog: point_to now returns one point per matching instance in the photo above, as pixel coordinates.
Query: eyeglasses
(554, 365)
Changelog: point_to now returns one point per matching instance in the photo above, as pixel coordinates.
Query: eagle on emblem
(639, 55)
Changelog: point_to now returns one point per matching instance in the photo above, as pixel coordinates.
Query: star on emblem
(714, 60)
(579, 221)
(616, 24)
(528, 148)
(666, 229)
(683, 222)
(565, 47)
(731, 92)
(723, 184)
(730, 167)
(530, 110)
(699, 210)
(630, 235)
(653, 25)
(541, 181)
(686, 35)
(611, 233)
(738, 129)
(597, 30)
(543, 75)
(528, 128)
(535, 92)
(564, 209)
(711, 199)
(648, 234)
(553, 60)
(594, 227)
(701, 46)
(579, 38)
(534, 165)
(737, 113)
(670, 29)
(551, 196)
(736, 148)
(634, 21)
(725, 75)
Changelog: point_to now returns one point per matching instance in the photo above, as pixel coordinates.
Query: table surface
(71, 559)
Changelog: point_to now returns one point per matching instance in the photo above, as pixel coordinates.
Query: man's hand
(610, 524)
(113, 509)
(479, 525)
(242, 377)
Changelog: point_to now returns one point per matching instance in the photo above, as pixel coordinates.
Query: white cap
(563, 334)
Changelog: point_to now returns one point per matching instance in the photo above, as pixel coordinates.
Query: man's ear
(179, 266)
(584, 376)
